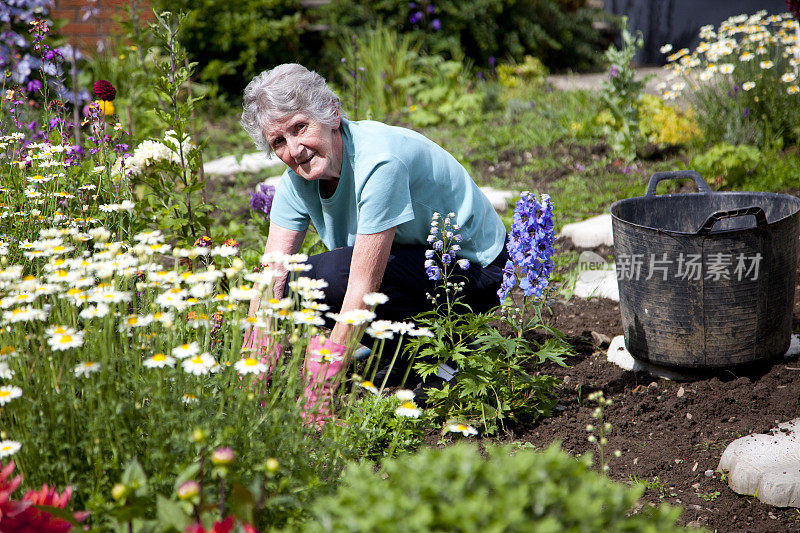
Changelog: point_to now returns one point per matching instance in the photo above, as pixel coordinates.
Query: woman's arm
(279, 240)
(370, 255)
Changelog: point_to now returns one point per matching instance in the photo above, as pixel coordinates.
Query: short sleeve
(288, 211)
(385, 198)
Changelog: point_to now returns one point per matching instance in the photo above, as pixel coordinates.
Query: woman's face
(308, 147)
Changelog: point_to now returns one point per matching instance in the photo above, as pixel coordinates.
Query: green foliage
(233, 40)
(621, 94)
(372, 63)
(440, 92)
(728, 165)
(558, 32)
(531, 72)
(373, 431)
(456, 489)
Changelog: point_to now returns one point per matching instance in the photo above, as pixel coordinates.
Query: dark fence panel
(678, 21)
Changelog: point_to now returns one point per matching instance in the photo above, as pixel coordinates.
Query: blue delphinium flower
(261, 198)
(433, 272)
(530, 247)
(443, 238)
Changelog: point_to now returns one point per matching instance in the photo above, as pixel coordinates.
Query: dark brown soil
(670, 433)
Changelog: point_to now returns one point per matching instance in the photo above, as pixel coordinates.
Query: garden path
(593, 81)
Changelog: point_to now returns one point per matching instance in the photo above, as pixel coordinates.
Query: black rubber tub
(706, 280)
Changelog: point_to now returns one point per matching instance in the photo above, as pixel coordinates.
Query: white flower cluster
(150, 152)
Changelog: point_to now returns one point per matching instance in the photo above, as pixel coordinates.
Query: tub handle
(761, 217)
(702, 186)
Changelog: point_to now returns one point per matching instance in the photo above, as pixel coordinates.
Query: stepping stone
(498, 197)
(597, 283)
(766, 466)
(251, 163)
(590, 233)
(620, 356)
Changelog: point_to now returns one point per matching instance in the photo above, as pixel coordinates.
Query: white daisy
(408, 409)
(355, 317)
(199, 365)
(465, 430)
(748, 85)
(8, 393)
(250, 365)
(5, 371)
(24, 314)
(86, 368)
(369, 386)
(404, 395)
(94, 311)
(159, 360)
(9, 447)
(375, 298)
(186, 350)
(65, 341)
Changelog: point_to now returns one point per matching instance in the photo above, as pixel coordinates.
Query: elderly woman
(371, 191)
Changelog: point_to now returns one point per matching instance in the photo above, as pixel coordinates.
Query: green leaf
(171, 513)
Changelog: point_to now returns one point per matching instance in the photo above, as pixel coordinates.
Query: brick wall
(87, 34)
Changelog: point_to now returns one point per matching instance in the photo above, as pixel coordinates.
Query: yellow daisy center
(197, 360)
(65, 339)
(250, 362)
(409, 405)
(4, 393)
(159, 357)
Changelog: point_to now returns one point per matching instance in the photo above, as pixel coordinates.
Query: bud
(198, 435)
(222, 456)
(119, 491)
(188, 490)
(272, 465)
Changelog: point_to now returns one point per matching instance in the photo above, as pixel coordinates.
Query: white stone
(591, 232)
(766, 466)
(251, 163)
(620, 356)
(498, 198)
(600, 283)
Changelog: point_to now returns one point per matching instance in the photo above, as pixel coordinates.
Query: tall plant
(621, 94)
(174, 196)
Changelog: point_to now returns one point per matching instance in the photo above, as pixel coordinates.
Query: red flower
(103, 90)
(226, 526)
(23, 516)
(204, 242)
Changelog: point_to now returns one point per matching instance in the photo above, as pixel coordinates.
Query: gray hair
(285, 90)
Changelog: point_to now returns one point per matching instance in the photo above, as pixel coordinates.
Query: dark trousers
(406, 283)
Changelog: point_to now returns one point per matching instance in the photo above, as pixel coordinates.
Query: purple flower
(415, 17)
(530, 246)
(446, 259)
(579, 167)
(436, 25)
(431, 9)
(492, 61)
(613, 72)
(33, 86)
(433, 272)
(412, 5)
(463, 264)
(746, 112)
(261, 199)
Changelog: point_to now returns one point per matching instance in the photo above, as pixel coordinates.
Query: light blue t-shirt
(391, 176)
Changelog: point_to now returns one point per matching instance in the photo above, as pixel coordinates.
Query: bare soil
(670, 433)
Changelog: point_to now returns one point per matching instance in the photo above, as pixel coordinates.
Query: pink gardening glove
(323, 364)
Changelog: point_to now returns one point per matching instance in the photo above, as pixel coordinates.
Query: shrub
(233, 40)
(728, 165)
(664, 124)
(559, 32)
(530, 72)
(742, 80)
(456, 489)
